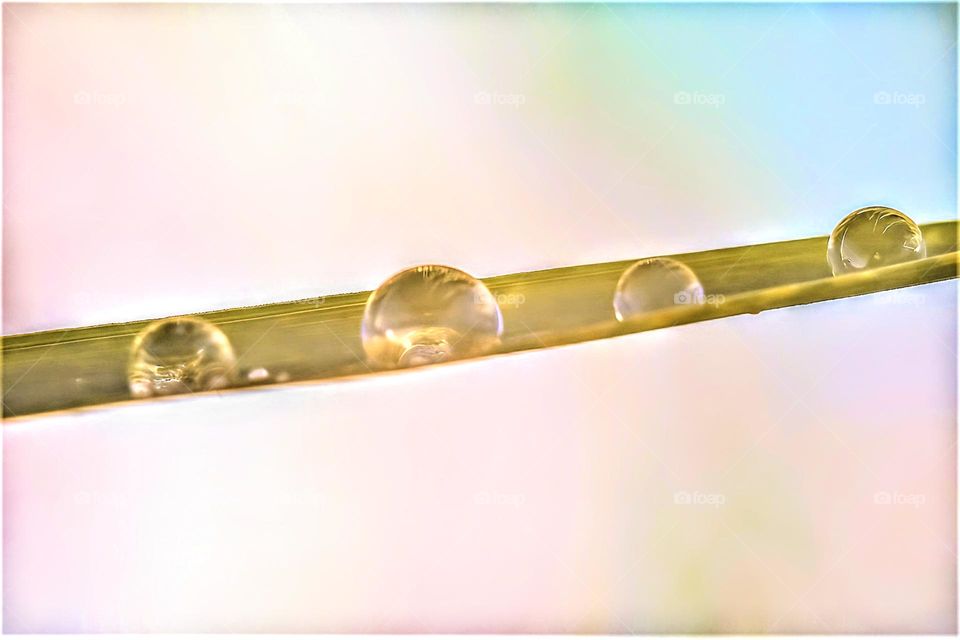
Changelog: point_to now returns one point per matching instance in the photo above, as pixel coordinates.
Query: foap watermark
(900, 98)
(299, 99)
(510, 299)
(897, 498)
(497, 99)
(698, 297)
(699, 498)
(109, 499)
(259, 499)
(514, 300)
(98, 99)
(696, 98)
(495, 499)
(903, 297)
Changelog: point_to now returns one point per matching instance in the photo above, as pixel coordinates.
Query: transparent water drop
(874, 237)
(180, 355)
(258, 374)
(655, 283)
(429, 314)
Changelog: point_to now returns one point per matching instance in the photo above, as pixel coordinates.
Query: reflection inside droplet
(429, 314)
(179, 355)
(655, 283)
(874, 237)
(258, 374)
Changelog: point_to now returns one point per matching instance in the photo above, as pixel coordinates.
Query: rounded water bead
(429, 314)
(655, 283)
(258, 374)
(180, 355)
(874, 237)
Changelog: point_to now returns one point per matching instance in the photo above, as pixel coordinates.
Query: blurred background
(174, 159)
(793, 471)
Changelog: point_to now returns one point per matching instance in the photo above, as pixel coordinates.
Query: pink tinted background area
(176, 158)
(551, 491)
(164, 159)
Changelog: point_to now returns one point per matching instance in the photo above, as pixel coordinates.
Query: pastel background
(787, 472)
(791, 472)
(180, 158)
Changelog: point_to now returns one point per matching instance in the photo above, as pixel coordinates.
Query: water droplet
(655, 283)
(429, 314)
(874, 237)
(259, 374)
(179, 355)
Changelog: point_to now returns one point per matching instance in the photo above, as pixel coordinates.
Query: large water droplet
(180, 355)
(429, 314)
(655, 283)
(874, 237)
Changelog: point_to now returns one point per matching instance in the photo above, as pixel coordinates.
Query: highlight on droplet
(180, 355)
(655, 283)
(429, 314)
(873, 237)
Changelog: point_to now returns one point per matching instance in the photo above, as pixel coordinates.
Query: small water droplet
(179, 355)
(429, 314)
(874, 237)
(655, 283)
(259, 374)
